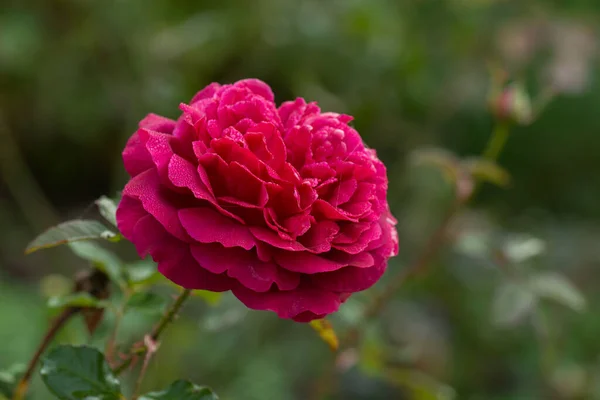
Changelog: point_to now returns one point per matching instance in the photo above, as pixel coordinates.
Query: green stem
(497, 141)
(156, 332)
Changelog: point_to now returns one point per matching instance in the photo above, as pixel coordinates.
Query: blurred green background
(77, 75)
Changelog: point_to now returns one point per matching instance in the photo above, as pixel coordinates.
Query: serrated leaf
(108, 209)
(145, 302)
(105, 260)
(487, 171)
(554, 286)
(512, 302)
(76, 300)
(325, 330)
(79, 373)
(68, 232)
(182, 390)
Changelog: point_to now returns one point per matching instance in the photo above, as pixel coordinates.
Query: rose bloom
(285, 207)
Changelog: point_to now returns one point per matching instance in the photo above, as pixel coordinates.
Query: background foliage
(77, 75)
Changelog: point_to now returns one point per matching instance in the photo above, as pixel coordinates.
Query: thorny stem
(156, 332)
(57, 324)
(151, 347)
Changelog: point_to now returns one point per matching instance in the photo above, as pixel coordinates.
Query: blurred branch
(57, 324)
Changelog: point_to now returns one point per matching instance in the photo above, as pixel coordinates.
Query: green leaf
(76, 300)
(72, 373)
(142, 272)
(512, 303)
(103, 259)
(182, 390)
(554, 286)
(108, 209)
(68, 232)
(145, 302)
(487, 171)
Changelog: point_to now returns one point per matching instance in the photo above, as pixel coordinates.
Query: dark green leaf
(68, 232)
(145, 302)
(76, 300)
(108, 209)
(182, 390)
(73, 373)
(103, 259)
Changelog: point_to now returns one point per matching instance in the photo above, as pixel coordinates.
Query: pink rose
(284, 207)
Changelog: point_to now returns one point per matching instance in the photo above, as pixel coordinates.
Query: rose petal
(136, 157)
(308, 263)
(208, 226)
(174, 259)
(146, 188)
(244, 267)
(268, 236)
(290, 304)
(350, 279)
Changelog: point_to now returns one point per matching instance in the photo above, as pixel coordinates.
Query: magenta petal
(158, 123)
(208, 226)
(319, 236)
(183, 174)
(146, 188)
(174, 259)
(368, 236)
(308, 263)
(244, 267)
(350, 279)
(290, 304)
(206, 93)
(136, 157)
(129, 212)
(159, 147)
(258, 87)
(184, 271)
(272, 238)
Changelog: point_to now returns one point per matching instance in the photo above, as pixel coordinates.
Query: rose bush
(285, 207)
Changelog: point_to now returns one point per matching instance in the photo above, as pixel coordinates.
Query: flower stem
(497, 141)
(57, 324)
(156, 332)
